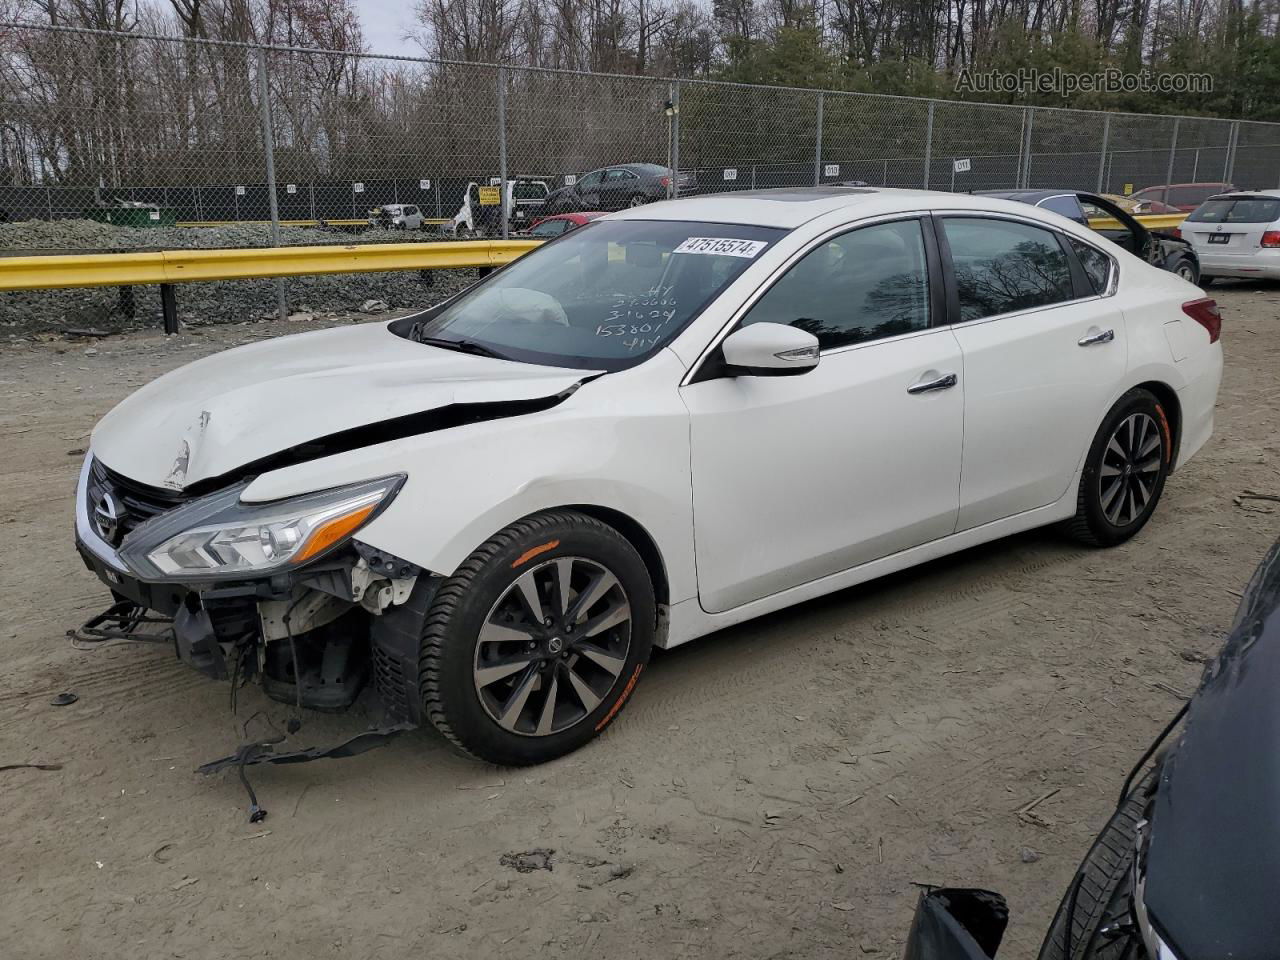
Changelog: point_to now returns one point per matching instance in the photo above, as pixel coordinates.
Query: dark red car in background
(1184, 196)
(550, 227)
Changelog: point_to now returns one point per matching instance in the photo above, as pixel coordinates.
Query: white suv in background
(1236, 235)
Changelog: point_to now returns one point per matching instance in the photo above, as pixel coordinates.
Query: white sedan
(670, 420)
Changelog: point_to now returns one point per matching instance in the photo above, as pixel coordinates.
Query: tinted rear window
(1237, 210)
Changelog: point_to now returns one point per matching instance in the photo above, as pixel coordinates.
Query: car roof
(1028, 196)
(1198, 183)
(1236, 194)
(790, 207)
(577, 216)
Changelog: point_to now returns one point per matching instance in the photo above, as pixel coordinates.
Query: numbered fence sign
(239, 191)
(357, 188)
(831, 170)
(963, 166)
(424, 184)
(731, 173)
(290, 188)
(570, 179)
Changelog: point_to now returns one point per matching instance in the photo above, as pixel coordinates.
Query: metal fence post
(504, 190)
(1173, 150)
(1233, 143)
(269, 152)
(675, 140)
(1030, 114)
(1102, 157)
(817, 147)
(928, 144)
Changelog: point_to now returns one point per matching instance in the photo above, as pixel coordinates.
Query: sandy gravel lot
(772, 791)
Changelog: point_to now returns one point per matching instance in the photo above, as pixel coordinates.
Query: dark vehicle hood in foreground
(1213, 863)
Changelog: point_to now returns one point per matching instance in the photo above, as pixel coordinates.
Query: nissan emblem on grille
(106, 517)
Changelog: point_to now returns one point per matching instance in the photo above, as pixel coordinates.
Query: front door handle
(1096, 336)
(945, 382)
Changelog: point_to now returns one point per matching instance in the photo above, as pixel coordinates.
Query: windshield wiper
(463, 346)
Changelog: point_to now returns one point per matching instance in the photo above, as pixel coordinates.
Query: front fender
(620, 442)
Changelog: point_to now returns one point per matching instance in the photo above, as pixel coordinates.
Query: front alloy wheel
(535, 643)
(553, 646)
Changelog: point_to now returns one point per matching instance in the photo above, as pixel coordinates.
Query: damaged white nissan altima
(670, 420)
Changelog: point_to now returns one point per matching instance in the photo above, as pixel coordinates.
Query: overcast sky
(384, 23)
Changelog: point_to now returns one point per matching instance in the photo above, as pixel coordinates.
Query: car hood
(1213, 863)
(236, 408)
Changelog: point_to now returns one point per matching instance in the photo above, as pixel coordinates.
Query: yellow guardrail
(1152, 221)
(185, 266)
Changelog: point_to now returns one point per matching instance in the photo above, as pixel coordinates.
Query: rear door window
(1002, 266)
(1097, 265)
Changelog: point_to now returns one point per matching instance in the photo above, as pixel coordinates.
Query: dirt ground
(771, 791)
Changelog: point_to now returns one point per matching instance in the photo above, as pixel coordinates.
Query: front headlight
(218, 536)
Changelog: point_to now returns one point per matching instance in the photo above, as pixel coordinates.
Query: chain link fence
(123, 141)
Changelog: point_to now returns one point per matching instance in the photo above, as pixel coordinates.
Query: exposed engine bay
(304, 634)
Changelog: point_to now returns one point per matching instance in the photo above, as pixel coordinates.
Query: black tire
(1102, 890)
(1206, 282)
(463, 605)
(1097, 521)
(1185, 267)
(637, 200)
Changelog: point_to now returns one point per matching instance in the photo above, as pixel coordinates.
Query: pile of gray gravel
(26, 312)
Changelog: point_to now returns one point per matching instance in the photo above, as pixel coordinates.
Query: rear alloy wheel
(639, 200)
(534, 645)
(1125, 471)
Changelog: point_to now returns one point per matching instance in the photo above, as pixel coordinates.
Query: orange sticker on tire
(626, 692)
(534, 551)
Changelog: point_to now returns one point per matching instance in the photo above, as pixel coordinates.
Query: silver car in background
(1236, 235)
(396, 216)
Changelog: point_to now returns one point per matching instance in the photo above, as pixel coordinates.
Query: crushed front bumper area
(311, 635)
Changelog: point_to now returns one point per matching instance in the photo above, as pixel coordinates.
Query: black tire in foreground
(1099, 900)
(1124, 472)
(534, 645)
(1186, 267)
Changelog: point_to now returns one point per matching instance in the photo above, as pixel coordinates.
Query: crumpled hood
(236, 407)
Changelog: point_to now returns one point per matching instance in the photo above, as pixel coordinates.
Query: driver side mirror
(770, 350)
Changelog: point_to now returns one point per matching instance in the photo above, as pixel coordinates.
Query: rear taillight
(1271, 238)
(1176, 232)
(1205, 312)
(666, 181)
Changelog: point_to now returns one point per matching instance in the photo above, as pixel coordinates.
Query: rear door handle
(1096, 336)
(945, 382)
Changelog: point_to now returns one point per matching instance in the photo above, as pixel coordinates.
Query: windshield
(1237, 210)
(604, 296)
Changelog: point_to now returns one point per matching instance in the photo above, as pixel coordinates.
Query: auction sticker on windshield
(721, 246)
